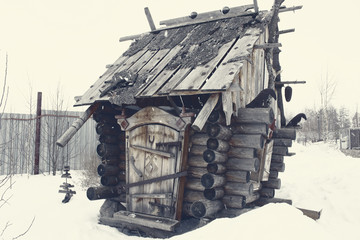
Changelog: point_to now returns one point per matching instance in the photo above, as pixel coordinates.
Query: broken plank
(205, 112)
(234, 60)
(201, 73)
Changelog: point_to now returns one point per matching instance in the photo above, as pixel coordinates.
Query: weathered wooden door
(154, 160)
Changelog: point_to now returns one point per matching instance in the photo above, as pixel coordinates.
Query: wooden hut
(190, 119)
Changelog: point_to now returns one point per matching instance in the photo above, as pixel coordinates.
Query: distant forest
(326, 124)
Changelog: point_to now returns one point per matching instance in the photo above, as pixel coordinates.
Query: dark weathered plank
(233, 61)
(200, 74)
(173, 82)
(159, 68)
(161, 79)
(150, 65)
(141, 62)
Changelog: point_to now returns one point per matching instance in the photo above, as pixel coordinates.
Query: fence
(17, 142)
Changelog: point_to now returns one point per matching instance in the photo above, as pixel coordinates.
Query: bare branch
(21, 235)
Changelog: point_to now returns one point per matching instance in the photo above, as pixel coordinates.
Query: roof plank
(85, 98)
(141, 62)
(150, 65)
(94, 92)
(159, 68)
(199, 75)
(161, 79)
(233, 61)
(172, 83)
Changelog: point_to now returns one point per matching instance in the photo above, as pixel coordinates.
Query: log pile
(282, 141)
(223, 160)
(111, 151)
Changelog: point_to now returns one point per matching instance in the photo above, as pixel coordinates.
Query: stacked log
(111, 151)
(250, 130)
(282, 141)
(204, 189)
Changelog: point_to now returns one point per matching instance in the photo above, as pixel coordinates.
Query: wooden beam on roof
(281, 10)
(150, 19)
(286, 31)
(131, 37)
(267, 45)
(256, 6)
(209, 16)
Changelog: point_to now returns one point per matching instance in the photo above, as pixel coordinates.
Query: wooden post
(205, 112)
(37, 134)
(77, 124)
(150, 19)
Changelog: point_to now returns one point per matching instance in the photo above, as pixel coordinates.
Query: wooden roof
(189, 59)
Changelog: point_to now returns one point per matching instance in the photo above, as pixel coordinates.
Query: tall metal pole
(37, 134)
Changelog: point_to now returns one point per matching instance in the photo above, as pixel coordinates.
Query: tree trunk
(193, 196)
(214, 193)
(218, 145)
(218, 131)
(194, 184)
(234, 188)
(272, 183)
(197, 161)
(247, 140)
(238, 176)
(241, 152)
(210, 180)
(280, 167)
(211, 156)
(267, 192)
(202, 209)
(255, 115)
(216, 168)
(233, 201)
(196, 172)
(250, 128)
(95, 193)
(244, 164)
(285, 133)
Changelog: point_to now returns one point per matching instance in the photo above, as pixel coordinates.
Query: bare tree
(327, 90)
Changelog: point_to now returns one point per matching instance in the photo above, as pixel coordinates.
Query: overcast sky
(68, 43)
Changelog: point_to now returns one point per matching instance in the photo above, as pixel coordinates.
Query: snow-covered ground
(317, 177)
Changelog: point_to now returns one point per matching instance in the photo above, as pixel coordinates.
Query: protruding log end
(198, 209)
(207, 180)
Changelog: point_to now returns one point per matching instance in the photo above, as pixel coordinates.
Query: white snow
(318, 177)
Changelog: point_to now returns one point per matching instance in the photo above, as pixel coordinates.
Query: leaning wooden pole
(76, 125)
(37, 134)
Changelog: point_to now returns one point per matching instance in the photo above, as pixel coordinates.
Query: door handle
(132, 162)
